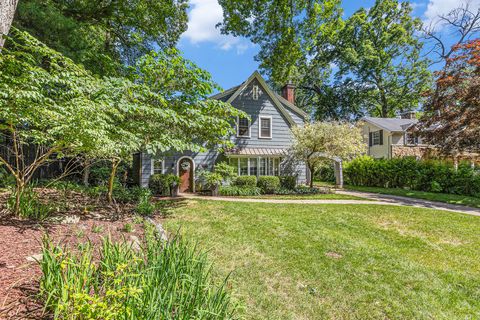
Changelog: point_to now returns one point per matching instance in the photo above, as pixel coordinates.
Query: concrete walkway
(373, 198)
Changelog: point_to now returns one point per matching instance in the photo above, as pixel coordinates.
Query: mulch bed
(21, 239)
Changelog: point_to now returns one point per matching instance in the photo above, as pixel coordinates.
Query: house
(389, 137)
(260, 144)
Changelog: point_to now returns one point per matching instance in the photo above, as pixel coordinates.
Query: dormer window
(265, 130)
(255, 92)
(243, 128)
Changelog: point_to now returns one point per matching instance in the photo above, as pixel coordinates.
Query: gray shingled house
(261, 145)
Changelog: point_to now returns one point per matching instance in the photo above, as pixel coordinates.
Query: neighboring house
(260, 144)
(389, 138)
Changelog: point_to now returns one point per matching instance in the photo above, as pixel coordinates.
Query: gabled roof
(292, 107)
(391, 124)
(225, 94)
(279, 102)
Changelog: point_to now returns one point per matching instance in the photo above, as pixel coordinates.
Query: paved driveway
(406, 201)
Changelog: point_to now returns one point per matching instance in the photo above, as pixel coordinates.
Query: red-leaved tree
(452, 112)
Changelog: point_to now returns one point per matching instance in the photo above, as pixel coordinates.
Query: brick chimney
(288, 92)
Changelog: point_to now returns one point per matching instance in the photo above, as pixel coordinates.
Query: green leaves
(379, 48)
(104, 35)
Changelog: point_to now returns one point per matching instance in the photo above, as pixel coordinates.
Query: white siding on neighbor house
(397, 138)
(377, 151)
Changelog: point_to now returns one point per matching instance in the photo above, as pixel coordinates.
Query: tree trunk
(7, 12)
(86, 172)
(115, 164)
(312, 173)
(19, 189)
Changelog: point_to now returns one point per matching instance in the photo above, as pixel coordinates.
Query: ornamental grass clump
(162, 280)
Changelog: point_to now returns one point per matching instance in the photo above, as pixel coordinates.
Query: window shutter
(370, 139)
(381, 137)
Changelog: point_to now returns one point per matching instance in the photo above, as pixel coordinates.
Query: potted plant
(213, 181)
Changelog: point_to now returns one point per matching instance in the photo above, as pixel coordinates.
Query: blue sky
(230, 60)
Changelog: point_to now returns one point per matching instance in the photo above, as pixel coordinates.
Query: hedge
(268, 184)
(245, 181)
(288, 182)
(160, 184)
(421, 175)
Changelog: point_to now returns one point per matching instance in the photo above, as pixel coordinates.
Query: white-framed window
(258, 166)
(255, 92)
(253, 170)
(265, 127)
(158, 166)
(243, 128)
(376, 137)
(243, 166)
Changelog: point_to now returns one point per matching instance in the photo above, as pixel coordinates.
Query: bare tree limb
(462, 21)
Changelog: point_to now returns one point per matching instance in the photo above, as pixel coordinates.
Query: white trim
(192, 169)
(249, 128)
(260, 126)
(152, 165)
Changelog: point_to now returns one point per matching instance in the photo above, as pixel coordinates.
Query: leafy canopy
(368, 63)
(319, 141)
(104, 35)
(46, 99)
(379, 51)
(451, 120)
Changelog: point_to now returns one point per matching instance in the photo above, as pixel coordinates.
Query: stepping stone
(35, 258)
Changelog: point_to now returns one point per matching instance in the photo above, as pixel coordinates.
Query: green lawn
(292, 261)
(441, 197)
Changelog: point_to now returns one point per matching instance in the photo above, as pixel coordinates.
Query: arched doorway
(186, 172)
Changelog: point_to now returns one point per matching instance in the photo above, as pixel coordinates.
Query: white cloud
(203, 17)
(443, 7)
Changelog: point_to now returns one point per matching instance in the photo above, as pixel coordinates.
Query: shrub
(423, 175)
(145, 207)
(158, 184)
(163, 184)
(288, 182)
(99, 175)
(315, 190)
(161, 280)
(303, 190)
(6, 179)
(325, 172)
(245, 181)
(211, 179)
(233, 191)
(30, 206)
(268, 184)
(225, 170)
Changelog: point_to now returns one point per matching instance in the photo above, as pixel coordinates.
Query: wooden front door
(185, 171)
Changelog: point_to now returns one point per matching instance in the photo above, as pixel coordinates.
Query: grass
(328, 196)
(432, 196)
(293, 261)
